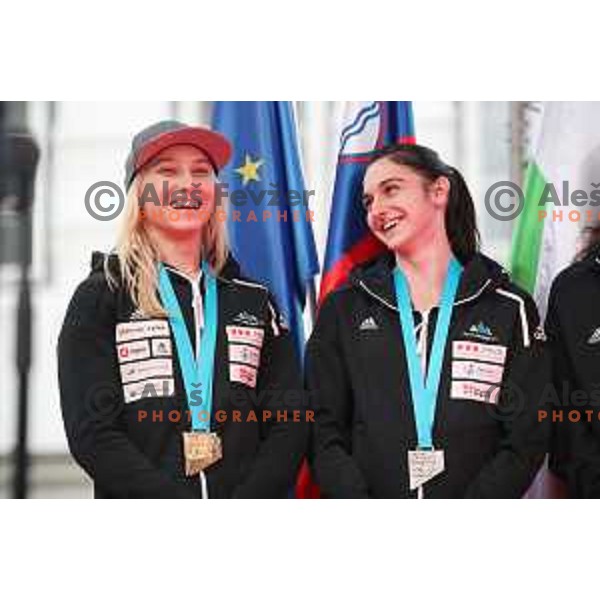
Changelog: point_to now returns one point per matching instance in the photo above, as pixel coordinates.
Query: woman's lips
(185, 204)
(390, 224)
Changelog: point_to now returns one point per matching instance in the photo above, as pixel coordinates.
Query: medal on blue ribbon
(425, 462)
(201, 447)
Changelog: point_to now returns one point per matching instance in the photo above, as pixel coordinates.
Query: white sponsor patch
(154, 367)
(161, 347)
(473, 350)
(245, 335)
(241, 353)
(142, 329)
(133, 351)
(243, 374)
(148, 389)
(472, 390)
(466, 369)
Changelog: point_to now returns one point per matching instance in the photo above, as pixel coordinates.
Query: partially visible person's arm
(336, 472)
(275, 467)
(526, 435)
(92, 401)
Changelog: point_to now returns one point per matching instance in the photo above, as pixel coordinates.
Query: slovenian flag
(367, 126)
(271, 233)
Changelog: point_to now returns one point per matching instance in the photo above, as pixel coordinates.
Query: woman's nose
(377, 207)
(185, 179)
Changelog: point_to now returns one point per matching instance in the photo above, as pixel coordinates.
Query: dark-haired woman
(426, 370)
(573, 330)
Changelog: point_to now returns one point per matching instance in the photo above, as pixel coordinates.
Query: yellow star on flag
(249, 170)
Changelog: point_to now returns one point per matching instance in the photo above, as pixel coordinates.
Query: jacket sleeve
(327, 382)
(524, 432)
(283, 444)
(92, 401)
(575, 444)
(561, 459)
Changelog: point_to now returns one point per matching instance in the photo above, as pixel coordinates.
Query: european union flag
(269, 220)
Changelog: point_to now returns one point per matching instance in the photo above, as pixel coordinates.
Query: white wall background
(90, 141)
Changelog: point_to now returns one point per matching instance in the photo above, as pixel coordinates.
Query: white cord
(420, 495)
(203, 485)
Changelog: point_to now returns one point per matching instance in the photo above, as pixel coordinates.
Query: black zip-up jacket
(573, 330)
(357, 376)
(127, 435)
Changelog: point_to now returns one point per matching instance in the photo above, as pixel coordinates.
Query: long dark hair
(461, 225)
(591, 242)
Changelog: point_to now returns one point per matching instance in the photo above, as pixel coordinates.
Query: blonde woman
(173, 368)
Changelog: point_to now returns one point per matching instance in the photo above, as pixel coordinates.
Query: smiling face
(404, 209)
(183, 180)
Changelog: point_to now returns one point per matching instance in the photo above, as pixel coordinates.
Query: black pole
(19, 157)
(23, 359)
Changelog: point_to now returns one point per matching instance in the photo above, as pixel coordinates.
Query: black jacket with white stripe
(573, 329)
(357, 377)
(123, 400)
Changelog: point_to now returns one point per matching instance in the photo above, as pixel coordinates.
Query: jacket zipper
(197, 307)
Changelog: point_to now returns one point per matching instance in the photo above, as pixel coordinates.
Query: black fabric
(572, 319)
(129, 457)
(356, 375)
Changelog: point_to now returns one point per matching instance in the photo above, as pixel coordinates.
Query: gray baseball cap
(154, 139)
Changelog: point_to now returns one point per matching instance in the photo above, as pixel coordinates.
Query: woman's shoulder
(232, 275)
(580, 274)
(94, 296)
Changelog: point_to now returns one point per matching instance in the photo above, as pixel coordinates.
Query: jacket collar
(230, 272)
(480, 274)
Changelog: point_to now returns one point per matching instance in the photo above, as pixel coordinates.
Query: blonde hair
(138, 255)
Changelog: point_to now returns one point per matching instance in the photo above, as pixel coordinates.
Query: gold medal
(200, 450)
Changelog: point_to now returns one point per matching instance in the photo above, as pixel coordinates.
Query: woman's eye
(201, 173)
(367, 203)
(166, 171)
(390, 189)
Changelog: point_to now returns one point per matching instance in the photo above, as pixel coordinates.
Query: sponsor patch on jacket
(149, 388)
(133, 351)
(473, 390)
(245, 335)
(479, 371)
(142, 329)
(246, 318)
(368, 324)
(146, 369)
(476, 351)
(481, 331)
(161, 347)
(137, 315)
(241, 353)
(243, 374)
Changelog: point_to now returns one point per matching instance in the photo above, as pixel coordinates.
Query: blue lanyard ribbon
(197, 371)
(424, 389)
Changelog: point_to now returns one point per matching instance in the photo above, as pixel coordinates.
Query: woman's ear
(440, 190)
